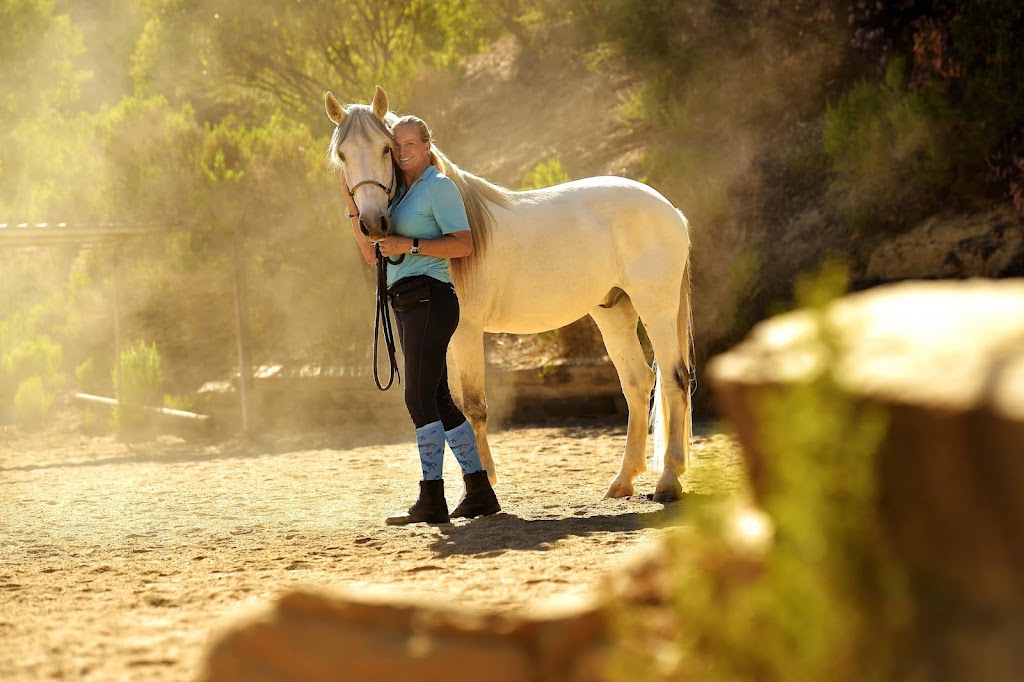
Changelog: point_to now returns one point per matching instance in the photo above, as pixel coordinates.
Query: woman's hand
(395, 245)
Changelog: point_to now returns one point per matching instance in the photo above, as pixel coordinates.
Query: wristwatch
(415, 246)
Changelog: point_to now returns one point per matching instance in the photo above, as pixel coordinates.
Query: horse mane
(477, 192)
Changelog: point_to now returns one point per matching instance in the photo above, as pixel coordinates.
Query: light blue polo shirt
(429, 209)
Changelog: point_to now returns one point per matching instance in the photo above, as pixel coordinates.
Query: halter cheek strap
(351, 199)
(350, 202)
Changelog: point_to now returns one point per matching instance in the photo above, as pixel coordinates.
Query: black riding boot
(431, 507)
(480, 499)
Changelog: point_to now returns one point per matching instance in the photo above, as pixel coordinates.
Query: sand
(117, 561)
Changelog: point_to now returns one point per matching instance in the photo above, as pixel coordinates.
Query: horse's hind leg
(618, 328)
(666, 317)
(467, 350)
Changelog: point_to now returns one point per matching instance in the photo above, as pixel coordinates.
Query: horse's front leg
(467, 351)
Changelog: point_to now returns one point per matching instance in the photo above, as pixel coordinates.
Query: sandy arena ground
(117, 560)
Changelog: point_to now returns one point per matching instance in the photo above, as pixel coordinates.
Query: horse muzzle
(375, 228)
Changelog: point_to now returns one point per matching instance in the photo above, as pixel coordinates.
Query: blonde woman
(429, 227)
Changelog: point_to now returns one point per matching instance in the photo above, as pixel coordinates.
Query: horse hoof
(619, 490)
(672, 493)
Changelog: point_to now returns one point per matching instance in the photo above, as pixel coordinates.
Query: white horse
(608, 247)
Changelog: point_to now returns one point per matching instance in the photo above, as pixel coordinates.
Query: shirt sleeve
(449, 209)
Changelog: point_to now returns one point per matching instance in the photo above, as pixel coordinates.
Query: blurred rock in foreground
(945, 360)
(380, 636)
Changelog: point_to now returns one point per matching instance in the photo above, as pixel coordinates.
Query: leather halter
(388, 190)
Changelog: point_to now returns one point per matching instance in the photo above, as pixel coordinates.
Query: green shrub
(140, 386)
(38, 357)
(90, 380)
(32, 402)
(890, 151)
(545, 174)
(90, 377)
(179, 402)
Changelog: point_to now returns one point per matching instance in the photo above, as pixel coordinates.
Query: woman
(428, 227)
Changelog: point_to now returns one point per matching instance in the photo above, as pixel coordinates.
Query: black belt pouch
(407, 293)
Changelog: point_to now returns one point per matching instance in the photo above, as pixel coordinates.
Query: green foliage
(91, 380)
(89, 377)
(33, 401)
(38, 82)
(140, 386)
(545, 174)
(890, 151)
(24, 358)
(223, 57)
(179, 402)
(805, 589)
(36, 67)
(39, 356)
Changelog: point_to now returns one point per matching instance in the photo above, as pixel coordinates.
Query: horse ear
(380, 103)
(335, 111)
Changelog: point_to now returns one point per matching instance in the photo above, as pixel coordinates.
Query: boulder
(985, 244)
(945, 361)
(384, 635)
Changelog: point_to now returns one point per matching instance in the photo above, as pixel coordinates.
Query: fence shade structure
(109, 236)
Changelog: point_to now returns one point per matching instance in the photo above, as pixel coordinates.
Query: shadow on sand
(508, 532)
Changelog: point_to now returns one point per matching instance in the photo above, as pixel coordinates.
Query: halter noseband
(387, 190)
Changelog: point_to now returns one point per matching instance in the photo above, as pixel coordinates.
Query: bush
(140, 386)
(32, 402)
(890, 151)
(179, 402)
(545, 174)
(90, 380)
(38, 357)
(90, 377)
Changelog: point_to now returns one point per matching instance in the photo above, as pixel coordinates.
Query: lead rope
(382, 322)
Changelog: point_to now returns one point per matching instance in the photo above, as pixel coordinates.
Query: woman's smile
(411, 151)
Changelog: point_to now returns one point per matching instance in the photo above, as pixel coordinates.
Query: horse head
(362, 144)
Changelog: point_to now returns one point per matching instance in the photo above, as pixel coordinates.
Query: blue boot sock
(430, 441)
(462, 441)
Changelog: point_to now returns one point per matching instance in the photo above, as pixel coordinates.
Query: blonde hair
(475, 193)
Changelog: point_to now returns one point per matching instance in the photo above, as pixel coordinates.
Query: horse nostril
(362, 228)
(385, 224)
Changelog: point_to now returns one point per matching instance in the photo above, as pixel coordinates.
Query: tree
(38, 83)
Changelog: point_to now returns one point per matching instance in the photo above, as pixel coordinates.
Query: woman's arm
(454, 245)
(364, 244)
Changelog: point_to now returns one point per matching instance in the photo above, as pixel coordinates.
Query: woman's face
(411, 153)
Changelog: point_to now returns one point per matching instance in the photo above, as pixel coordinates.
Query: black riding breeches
(424, 331)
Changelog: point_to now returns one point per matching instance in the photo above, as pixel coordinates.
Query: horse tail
(659, 408)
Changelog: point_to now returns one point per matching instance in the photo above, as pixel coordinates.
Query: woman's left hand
(395, 245)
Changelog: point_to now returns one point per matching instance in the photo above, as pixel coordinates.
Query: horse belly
(557, 284)
(529, 310)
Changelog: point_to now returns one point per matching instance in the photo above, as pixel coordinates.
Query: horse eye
(341, 156)
(387, 150)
